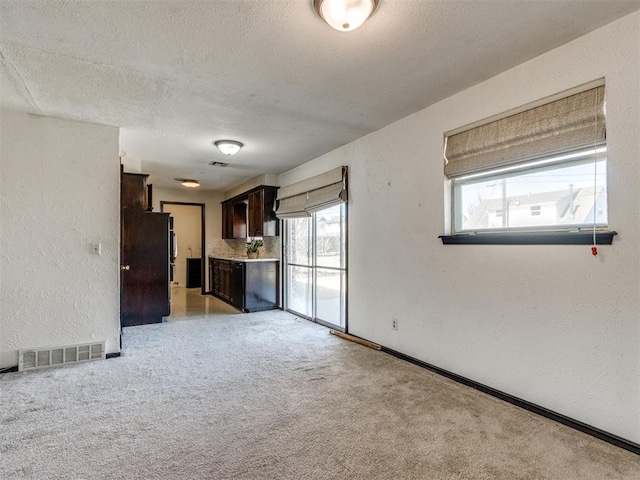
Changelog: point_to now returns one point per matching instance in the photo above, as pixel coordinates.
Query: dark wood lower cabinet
(194, 272)
(249, 286)
(236, 285)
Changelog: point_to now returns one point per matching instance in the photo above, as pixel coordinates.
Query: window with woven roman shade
(540, 169)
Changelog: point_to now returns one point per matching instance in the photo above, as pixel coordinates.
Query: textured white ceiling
(177, 75)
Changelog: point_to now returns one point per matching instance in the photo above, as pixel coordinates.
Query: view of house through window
(316, 266)
(564, 192)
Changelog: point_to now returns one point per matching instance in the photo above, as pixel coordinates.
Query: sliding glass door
(299, 256)
(316, 266)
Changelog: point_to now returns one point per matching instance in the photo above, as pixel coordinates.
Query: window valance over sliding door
(316, 193)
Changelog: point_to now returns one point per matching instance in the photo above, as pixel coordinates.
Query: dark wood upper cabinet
(262, 213)
(234, 219)
(133, 193)
(240, 220)
(256, 209)
(227, 220)
(252, 214)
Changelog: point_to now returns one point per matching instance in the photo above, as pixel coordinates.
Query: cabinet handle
(125, 267)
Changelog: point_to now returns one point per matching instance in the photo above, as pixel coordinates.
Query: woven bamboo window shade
(316, 193)
(570, 123)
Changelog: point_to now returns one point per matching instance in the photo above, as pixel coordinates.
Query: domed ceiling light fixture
(345, 15)
(190, 183)
(228, 147)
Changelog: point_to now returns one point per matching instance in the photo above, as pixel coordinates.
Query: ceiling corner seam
(21, 84)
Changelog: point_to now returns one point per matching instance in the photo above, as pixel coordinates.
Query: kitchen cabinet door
(215, 276)
(240, 220)
(225, 279)
(234, 219)
(227, 220)
(256, 214)
(236, 287)
(262, 214)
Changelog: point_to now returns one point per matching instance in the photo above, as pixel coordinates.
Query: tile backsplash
(238, 248)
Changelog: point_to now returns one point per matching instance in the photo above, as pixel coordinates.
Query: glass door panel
(330, 296)
(328, 237)
(299, 241)
(299, 290)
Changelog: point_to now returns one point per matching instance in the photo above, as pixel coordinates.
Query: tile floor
(190, 304)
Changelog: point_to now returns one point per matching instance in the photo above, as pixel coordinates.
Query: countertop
(245, 259)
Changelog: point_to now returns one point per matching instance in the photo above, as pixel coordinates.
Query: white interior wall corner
(60, 193)
(549, 324)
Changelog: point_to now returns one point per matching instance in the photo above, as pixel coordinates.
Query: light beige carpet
(267, 396)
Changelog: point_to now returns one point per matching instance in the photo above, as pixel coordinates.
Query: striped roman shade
(569, 123)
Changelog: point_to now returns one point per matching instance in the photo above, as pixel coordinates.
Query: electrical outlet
(394, 323)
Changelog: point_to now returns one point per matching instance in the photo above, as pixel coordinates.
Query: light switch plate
(96, 248)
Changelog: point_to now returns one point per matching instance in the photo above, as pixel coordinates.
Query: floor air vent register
(54, 356)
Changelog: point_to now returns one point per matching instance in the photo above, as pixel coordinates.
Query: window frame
(313, 268)
(561, 234)
(559, 124)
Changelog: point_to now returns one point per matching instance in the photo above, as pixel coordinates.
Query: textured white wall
(59, 192)
(550, 324)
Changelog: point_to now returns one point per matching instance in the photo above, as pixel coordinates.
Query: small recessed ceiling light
(228, 147)
(187, 182)
(345, 15)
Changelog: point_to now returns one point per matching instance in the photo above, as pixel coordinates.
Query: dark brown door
(145, 277)
(144, 257)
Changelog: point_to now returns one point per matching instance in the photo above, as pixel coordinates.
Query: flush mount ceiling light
(345, 15)
(228, 147)
(188, 182)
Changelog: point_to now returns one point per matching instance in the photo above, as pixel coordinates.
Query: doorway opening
(315, 253)
(189, 261)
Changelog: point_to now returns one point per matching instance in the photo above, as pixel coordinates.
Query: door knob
(125, 267)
